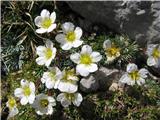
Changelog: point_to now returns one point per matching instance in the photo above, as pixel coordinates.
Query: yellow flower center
(52, 74)
(11, 102)
(156, 53)
(26, 91)
(48, 53)
(70, 36)
(85, 59)
(69, 96)
(46, 23)
(67, 75)
(134, 75)
(44, 102)
(113, 51)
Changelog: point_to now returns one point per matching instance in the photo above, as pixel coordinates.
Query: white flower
(43, 104)
(86, 60)
(46, 54)
(70, 37)
(11, 104)
(67, 98)
(68, 83)
(26, 93)
(153, 52)
(45, 22)
(52, 78)
(133, 76)
(111, 51)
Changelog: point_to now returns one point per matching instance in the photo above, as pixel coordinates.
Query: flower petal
(18, 92)
(60, 96)
(39, 112)
(75, 58)
(49, 44)
(48, 62)
(67, 27)
(150, 49)
(78, 32)
(32, 86)
(41, 30)
(66, 46)
(151, 61)
(143, 72)
(96, 56)
(54, 50)
(60, 38)
(40, 60)
(45, 13)
(107, 44)
(50, 110)
(92, 67)
(53, 17)
(131, 67)
(31, 98)
(40, 50)
(58, 73)
(50, 84)
(65, 103)
(52, 101)
(77, 43)
(13, 112)
(44, 77)
(110, 59)
(24, 100)
(131, 82)
(140, 81)
(24, 82)
(82, 70)
(52, 27)
(124, 78)
(38, 21)
(78, 99)
(86, 49)
(67, 87)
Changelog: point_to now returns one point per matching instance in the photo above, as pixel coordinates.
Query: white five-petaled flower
(153, 52)
(45, 22)
(11, 104)
(68, 83)
(86, 60)
(133, 75)
(52, 77)
(67, 99)
(70, 36)
(111, 51)
(26, 93)
(46, 54)
(43, 104)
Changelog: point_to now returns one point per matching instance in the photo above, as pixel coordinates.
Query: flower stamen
(113, 51)
(71, 36)
(46, 23)
(11, 102)
(48, 53)
(44, 102)
(26, 91)
(85, 59)
(134, 75)
(156, 53)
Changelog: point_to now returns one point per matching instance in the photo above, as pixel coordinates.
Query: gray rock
(106, 77)
(89, 84)
(100, 80)
(140, 20)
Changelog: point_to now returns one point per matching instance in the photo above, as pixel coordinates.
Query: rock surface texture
(100, 80)
(140, 20)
